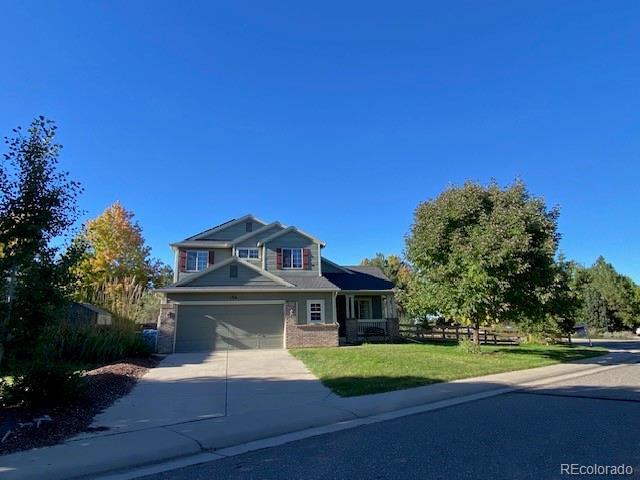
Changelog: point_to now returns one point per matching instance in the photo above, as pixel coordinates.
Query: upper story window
(197, 260)
(251, 253)
(248, 227)
(292, 258)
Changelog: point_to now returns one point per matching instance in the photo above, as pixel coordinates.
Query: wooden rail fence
(457, 333)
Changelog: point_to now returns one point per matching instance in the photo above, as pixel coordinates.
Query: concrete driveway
(194, 386)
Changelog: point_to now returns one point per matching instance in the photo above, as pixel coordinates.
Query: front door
(363, 308)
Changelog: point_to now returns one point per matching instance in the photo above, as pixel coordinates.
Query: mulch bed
(104, 386)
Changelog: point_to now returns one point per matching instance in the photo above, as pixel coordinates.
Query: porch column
(351, 323)
(385, 307)
(351, 311)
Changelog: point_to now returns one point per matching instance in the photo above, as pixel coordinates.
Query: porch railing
(363, 325)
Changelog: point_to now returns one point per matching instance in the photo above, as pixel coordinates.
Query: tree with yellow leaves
(116, 251)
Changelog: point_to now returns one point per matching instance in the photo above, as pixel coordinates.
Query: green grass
(351, 371)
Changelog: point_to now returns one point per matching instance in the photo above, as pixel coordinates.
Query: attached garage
(207, 327)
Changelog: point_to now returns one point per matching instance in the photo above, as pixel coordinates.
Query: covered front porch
(364, 315)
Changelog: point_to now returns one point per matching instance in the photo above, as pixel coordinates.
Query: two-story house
(251, 284)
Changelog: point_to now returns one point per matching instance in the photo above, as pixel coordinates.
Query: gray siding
(232, 232)
(221, 254)
(288, 240)
(253, 241)
(299, 297)
(222, 277)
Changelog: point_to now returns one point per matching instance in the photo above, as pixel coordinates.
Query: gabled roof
(264, 228)
(309, 282)
(291, 229)
(335, 265)
(223, 226)
(361, 278)
(186, 281)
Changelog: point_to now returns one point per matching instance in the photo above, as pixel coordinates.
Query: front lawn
(351, 371)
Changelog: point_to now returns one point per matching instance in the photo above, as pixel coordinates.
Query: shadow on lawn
(564, 355)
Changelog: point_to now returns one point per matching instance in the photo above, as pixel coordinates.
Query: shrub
(91, 344)
(42, 383)
(468, 346)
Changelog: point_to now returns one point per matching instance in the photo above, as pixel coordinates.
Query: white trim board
(231, 302)
(240, 289)
(287, 230)
(322, 311)
(365, 292)
(335, 265)
(228, 261)
(225, 226)
(248, 235)
(201, 244)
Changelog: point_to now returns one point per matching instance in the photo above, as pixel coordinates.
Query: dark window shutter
(182, 262)
(306, 258)
(233, 271)
(279, 258)
(248, 227)
(211, 257)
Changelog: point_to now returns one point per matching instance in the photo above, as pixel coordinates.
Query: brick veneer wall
(166, 328)
(312, 335)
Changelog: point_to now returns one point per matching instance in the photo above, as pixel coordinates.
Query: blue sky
(337, 117)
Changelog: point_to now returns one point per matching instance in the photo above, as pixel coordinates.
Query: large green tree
(483, 254)
(609, 299)
(37, 208)
(397, 270)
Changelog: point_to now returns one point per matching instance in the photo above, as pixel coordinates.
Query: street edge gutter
(207, 456)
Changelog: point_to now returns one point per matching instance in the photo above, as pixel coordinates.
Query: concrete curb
(97, 455)
(258, 425)
(88, 457)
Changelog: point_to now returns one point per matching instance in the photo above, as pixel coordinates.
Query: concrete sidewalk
(94, 455)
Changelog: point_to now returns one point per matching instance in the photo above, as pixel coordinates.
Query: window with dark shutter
(182, 263)
(248, 226)
(306, 258)
(233, 271)
(279, 259)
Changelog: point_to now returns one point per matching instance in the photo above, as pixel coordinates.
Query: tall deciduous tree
(397, 270)
(37, 205)
(609, 299)
(483, 255)
(117, 251)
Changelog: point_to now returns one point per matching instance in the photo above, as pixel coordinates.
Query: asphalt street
(529, 434)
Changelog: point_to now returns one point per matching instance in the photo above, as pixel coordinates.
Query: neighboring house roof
(94, 308)
(360, 278)
(287, 230)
